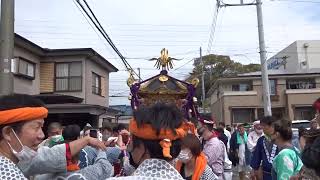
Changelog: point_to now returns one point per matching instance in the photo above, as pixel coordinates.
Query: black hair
(310, 155)
(222, 124)
(268, 120)
(311, 135)
(228, 128)
(192, 142)
(159, 116)
(15, 101)
(209, 126)
(283, 127)
(220, 130)
(54, 125)
(301, 131)
(71, 132)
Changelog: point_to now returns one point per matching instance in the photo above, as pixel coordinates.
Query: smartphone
(93, 133)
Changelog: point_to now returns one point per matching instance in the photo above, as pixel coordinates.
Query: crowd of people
(157, 144)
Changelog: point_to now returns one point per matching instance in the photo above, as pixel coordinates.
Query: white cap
(256, 123)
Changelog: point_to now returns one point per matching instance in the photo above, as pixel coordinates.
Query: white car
(296, 124)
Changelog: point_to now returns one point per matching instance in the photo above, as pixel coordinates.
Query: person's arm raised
(77, 145)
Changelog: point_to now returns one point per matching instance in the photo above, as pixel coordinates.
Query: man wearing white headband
(254, 136)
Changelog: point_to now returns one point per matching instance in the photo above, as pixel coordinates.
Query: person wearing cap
(21, 121)
(254, 136)
(239, 153)
(214, 149)
(156, 134)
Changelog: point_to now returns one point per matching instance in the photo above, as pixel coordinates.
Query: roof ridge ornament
(164, 62)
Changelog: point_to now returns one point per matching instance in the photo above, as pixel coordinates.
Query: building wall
(309, 54)
(292, 57)
(21, 84)
(297, 53)
(93, 98)
(301, 98)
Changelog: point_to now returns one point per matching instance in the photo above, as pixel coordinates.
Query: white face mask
(259, 131)
(185, 155)
(26, 154)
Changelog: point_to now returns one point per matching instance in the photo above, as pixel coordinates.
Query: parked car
(296, 124)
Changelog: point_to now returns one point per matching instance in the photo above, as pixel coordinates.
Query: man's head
(222, 124)
(106, 132)
(21, 122)
(257, 127)
(207, 130)
(241, 129)
(71, 132)
(266, 124)
(153, 120)
(54, 128)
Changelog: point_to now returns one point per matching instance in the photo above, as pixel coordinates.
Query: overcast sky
(141, 28)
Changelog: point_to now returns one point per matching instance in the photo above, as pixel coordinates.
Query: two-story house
(239, 99)
(74, 83)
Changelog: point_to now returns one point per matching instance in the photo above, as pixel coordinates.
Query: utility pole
(263, 59)
(263, 55)
(202, 80)
(6, 46)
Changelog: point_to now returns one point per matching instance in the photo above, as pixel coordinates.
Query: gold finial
(131, 79)
(164, 60)
(195, 82)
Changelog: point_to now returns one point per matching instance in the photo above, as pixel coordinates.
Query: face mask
(184, 156)
(26, 154)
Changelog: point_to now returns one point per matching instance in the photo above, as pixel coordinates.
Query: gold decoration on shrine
(131, 80)
(195, 82)
(163, 78)
(164, 60)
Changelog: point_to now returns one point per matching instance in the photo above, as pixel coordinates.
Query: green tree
(218, 66)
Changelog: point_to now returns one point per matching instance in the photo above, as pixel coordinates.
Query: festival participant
(264, 152)
(156, 141)
(314, 124)
(100, 168)
(239, 153)
(54, 134)
(21, 121)
(287, 163)
(227, 133)
(213, 148)
(254, 136)
(192, 163)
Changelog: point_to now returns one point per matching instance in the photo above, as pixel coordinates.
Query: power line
(213, 26)
(98, 25)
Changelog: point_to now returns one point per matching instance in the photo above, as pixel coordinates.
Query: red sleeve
(68, 154)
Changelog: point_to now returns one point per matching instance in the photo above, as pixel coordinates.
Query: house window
(243, 115)
(68, 76)
(301, 84)
(273, 86)
(23, 67)
(241, 87)
(303, 113)
(96, 84)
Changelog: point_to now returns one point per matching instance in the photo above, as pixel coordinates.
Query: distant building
(125, 114)
(74, 83)
(239, 99)
(298, 55)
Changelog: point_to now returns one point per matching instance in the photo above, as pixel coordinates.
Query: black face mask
(131, 161)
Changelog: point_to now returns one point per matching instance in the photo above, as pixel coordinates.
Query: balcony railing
(239, 93)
